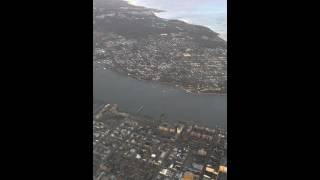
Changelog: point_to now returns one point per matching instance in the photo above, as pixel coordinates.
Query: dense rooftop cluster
(129, 147)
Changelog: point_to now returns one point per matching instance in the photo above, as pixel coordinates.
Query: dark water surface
(130, 94)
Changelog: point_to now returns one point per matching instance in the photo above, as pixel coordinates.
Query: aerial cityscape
(127, 146)
(169, 60)
(132, 40)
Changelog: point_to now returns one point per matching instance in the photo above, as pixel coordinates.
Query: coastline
(157, 12)
(188, 91)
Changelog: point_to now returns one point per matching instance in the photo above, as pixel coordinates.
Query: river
(130, 94)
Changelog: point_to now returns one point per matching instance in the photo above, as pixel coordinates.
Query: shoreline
(168, 84)
(157, 11)
(120, 111)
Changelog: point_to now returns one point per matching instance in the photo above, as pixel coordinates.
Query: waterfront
(168, 150)
(156, 99)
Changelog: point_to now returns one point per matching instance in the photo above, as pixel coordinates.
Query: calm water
(209, 13)
(130, 94)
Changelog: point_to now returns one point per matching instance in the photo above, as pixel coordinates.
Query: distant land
(132, 40)
(209, 13)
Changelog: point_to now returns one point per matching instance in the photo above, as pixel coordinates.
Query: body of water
(209, 13)
(130, 94)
